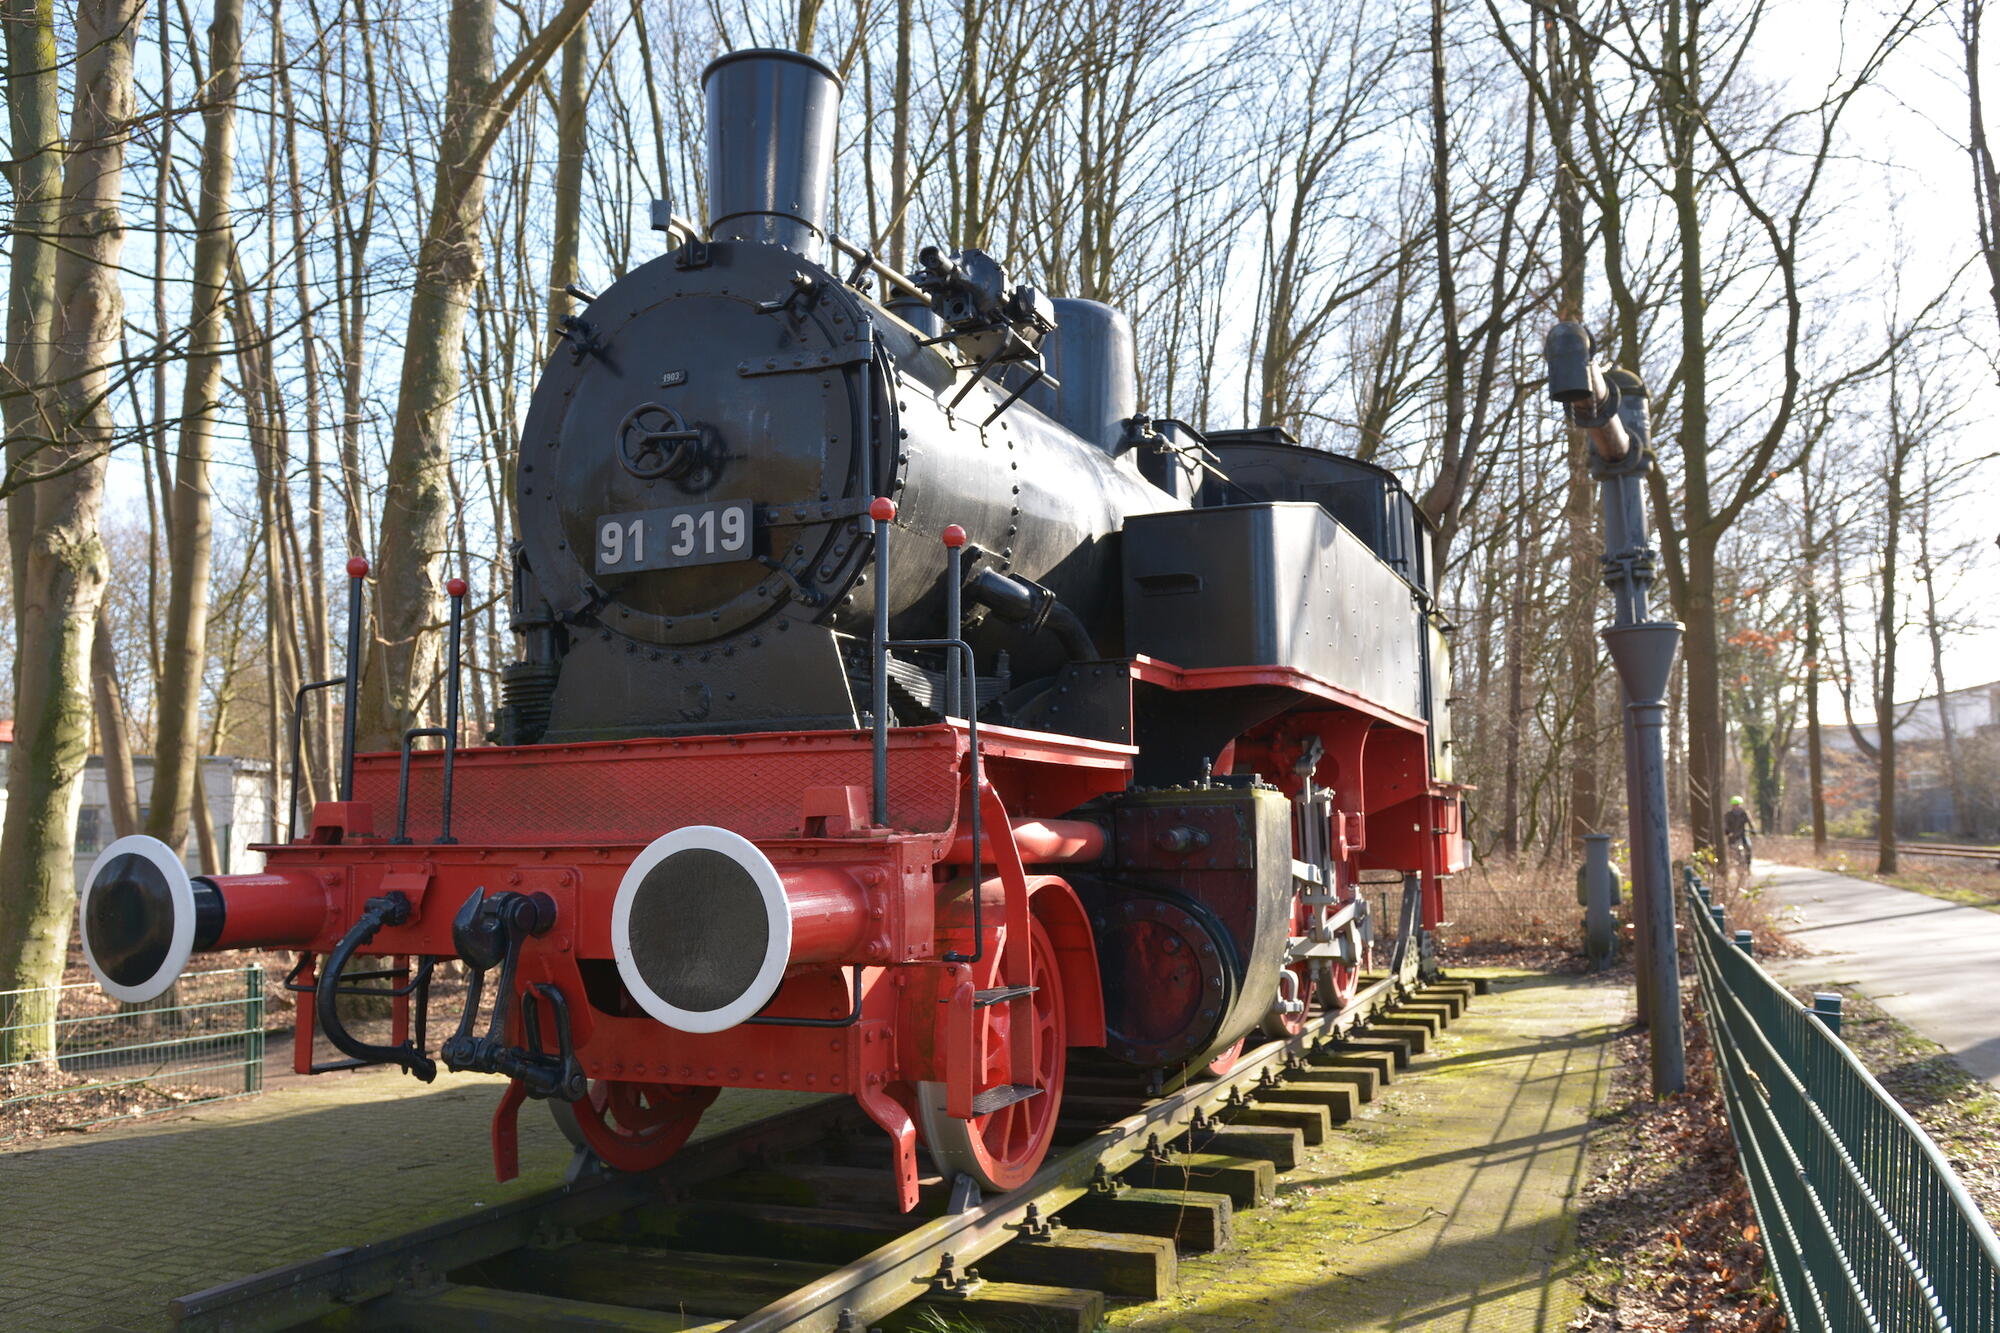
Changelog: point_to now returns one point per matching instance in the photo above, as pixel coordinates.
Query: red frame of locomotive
(875, 887)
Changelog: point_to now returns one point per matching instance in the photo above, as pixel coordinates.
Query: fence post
(28, 1031)
(1746, 942)
(1826, 1008)
(253, 1024)
(1721, 919)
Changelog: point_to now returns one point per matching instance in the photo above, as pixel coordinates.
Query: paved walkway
(1930, 963)
(1446, 1205)
(108, 1227)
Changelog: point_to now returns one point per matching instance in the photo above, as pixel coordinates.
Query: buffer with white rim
(141, 916)
(704, 926)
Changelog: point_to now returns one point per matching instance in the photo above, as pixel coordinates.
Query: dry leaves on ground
(75, 1104)
(1666, 1213)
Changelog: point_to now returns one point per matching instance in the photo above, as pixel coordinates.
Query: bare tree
(61, 580)
(1985, 175)
(1812, 538)
(177, 748)
(416, 500)
(34, 174)
(121, 789)
(1939, 560)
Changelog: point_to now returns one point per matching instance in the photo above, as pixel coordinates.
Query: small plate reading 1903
(706, 534)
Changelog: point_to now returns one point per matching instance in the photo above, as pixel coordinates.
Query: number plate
(709, 534)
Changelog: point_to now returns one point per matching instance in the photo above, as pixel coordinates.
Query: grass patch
(1970, 883)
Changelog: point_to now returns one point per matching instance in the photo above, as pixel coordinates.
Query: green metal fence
(1865, 1224)
(71, 1057)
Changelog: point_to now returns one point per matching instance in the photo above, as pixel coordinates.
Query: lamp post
(1609, 408)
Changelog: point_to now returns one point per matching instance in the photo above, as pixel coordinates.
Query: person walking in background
(1736, 830)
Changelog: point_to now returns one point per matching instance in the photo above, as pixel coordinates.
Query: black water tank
(1266, 463)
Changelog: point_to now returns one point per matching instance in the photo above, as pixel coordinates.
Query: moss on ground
(1444, 1204)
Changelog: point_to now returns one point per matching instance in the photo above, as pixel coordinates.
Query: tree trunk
(286, 672)
(808, 24)
(401, 659)
(1935, 629)
(177, 748)
(899, 144)
(1441, 498)
(1761, 749)
(1706, 738)
(1695, 591)
(1985, 175)
(204, 826)
(34, 138)
(569, 176)
(1586, 793)
(159, 475)
(65, 568)
(1677, 783)
(114, 732)
(317, 734)
(1815, 753)
(355, 230)
(1885, 637)
(1517, 643)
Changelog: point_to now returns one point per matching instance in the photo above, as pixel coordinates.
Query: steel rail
(899, 1272)
(1954, 850)
(291, 1295)
(864, 1291)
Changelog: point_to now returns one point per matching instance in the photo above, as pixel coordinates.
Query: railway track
(1952, 850)
(784, 1224)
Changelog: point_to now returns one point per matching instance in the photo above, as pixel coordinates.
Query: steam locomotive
(898, 709)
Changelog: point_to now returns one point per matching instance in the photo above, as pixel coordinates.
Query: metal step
(983, 998)
(1003, 1094)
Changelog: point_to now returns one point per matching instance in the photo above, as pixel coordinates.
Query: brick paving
(107, 1227)
(1445, 1205)
(1448, 1204)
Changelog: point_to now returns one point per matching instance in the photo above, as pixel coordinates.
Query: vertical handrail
(357, 578)
(448, 733)
(958, 656)
(864, 437)
(410, 737)
(954, 615)
(882, 513)
(455, 589)
(298, 759)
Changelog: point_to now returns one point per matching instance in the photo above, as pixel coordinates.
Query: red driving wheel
(1002, 1149)
(633, 1126)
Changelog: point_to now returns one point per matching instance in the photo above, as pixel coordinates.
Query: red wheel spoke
(638, 1126)
(1002, 1148)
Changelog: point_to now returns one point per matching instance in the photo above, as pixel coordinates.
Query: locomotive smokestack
(772, 117)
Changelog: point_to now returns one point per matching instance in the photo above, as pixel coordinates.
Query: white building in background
(1972, 710)
(242, 796)
(1925, 800)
